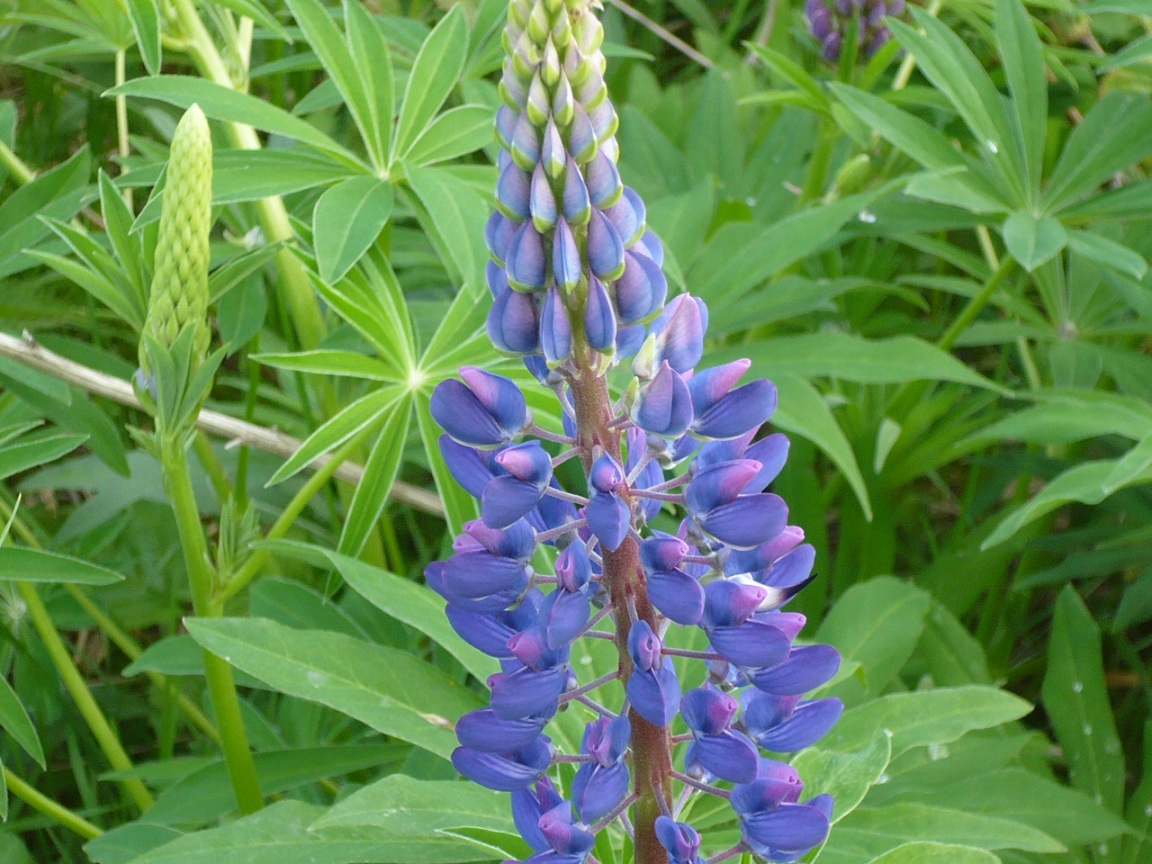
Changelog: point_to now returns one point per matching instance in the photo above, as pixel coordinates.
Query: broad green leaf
(847, 777)
(206, 794)
(925, 717)
(1137, 847)
(434, 74)
(925, 852)
(347, 220)
(1109, 253)
(15, 721)
(373, 61)
(1078, 705)
(1032, 241)
(338, 62)
(330, 362)
(1116, 133)
(1023, 61)
(854, 358)
(128, 842)
(951, 655)
(454, 133)
(404, 806)
(241, 312)
(896, 825)
(56, 194)
(145, 19)
(1065, 416)
(878, 624)
(392, 691)
(413, 604)
(455, 216)
(290, 602)
(803, 411)
(22, 455)
(179, 656)
(36, 565)
(907, 132)
(1089, 483)
(223, 103)
(374, 489)
(350, 420)
(282, 834)
(128, 248)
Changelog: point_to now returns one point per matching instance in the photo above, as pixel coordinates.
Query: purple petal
(655, 694)
(729, 756)
(596, 790)
(531, 649)
(680, 332)
(677, 595)
(792, 569)
(771, 452)
(506, 500)
(514, 322)
(651, 246)
(752, 644)
(791, 828)
(744, 409)
(628, 215)
(528, 693)
(529, 805)
(470, 418)
(581, 136)
(576, 203)
(641, 289)
(599, 317)
(679, 839)
(504, 773)
(466, 465)
(729, 603)
(563, 616)
(498, 233)
(608, 518)
(709, 711)
(479, 574)
(629, 340)
(711, 385)
(806, 668)
(748, 521)
(555, 326)
(606, 474)
(644, 647)
(563, 836)
(719, 484)
(573, 567)
(810, 722)
(566, 267)
(483, 730)
(605, 248)
(542, 201)
(663, 553)
(665, 406)
(525, 262)
(552, 155)
(513, 192)
(603, 179)
(525, 143)
(776, 783)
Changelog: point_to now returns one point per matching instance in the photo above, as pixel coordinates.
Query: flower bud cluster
(829, 20)
(179, 295)
(578, 285)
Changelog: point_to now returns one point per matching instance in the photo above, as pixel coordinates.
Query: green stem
(124, 147)
(43, 804)
(21, 173)
(819, 162)
(272, 213)
(201, 579)
(976, 304)
(102, 730)
(255, 563)
(218, 477)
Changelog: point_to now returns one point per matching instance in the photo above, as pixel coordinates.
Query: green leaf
(282, 834)
(298, 605)
(375, 486)
(224, 103)
(16, 722)
(925, 717)
(435, 72)
(240, 313)
(936, 853)
(36, 565)
(878, 624)
(146, 25)
(413, 604)
(905, 131)
(1137, 847)
(952, 655)
(206, 794)
(129, 249)
(347, 220)
(390, 690)
(56, 194)
(1088, 483)
(793, 72)
(1032, 241)
(128, 842)
(22, 455)
(1116, 133)
(901, 823)
(1023, 61)
(350, 420)
(330, 362)
(455, 224)
(1078, 705)
(454, 133)
(336, 59)
(1064, 416)
(803, 411)
(847, 777)
(854, 358)
(406, 807)
(373, 61)
(1109, 253)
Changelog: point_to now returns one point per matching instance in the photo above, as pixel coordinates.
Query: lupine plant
(579, 293)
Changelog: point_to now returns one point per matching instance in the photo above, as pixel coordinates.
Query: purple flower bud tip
(679, 839)
(606, 474)
(573, 567)
(665, 404)
(644, 646)
(485, 410)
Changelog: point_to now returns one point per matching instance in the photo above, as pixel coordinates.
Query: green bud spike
(538, 107)
(563, 103)
(179, 294)
(539, 24)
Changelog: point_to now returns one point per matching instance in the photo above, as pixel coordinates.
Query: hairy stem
(624, 579)
(201, 580)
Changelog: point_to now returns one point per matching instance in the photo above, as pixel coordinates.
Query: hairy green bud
(179, 295)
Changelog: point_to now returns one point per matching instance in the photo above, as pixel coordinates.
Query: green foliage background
(939, 255)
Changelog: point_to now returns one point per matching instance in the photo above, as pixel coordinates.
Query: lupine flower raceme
(830, 22)
(578, 289)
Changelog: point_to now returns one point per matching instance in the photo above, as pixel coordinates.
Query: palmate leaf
(935, 853)
(1023, 60)
(847, 777)
(453, 215)
(392, 691)
(434, 74)
(347, 220)
(380, 472)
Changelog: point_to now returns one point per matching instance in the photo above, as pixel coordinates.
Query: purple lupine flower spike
(829, 20)
(577, 282)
